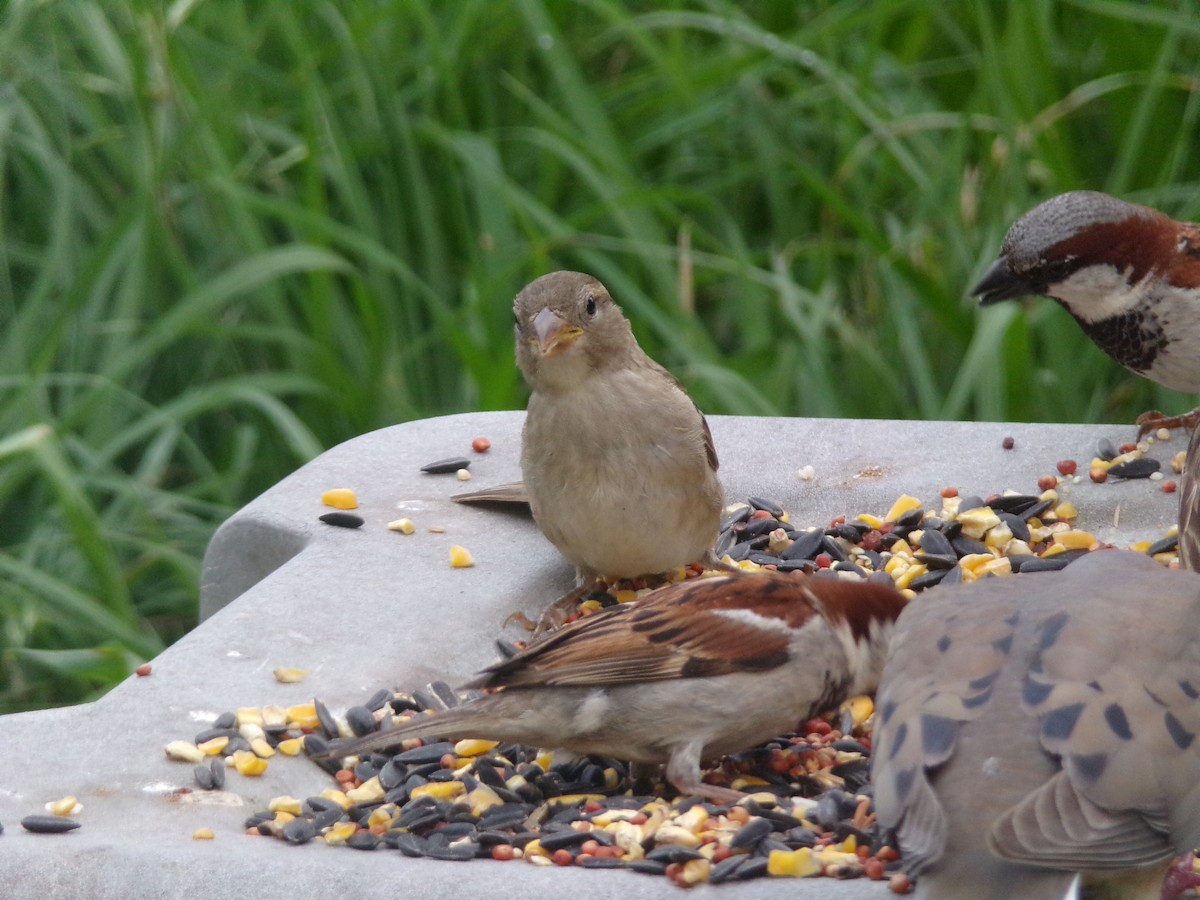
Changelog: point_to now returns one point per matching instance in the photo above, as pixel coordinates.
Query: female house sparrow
(617, 460)
(1034, 727)
(693, 671)
(1129, 275)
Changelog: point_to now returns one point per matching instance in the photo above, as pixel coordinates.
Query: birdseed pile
(809, 808)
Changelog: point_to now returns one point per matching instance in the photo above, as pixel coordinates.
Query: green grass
(235, 233)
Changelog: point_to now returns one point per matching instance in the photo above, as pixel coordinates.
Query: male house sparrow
(1128, 274)
(1034, 727)
(617, 460)
(695, 670)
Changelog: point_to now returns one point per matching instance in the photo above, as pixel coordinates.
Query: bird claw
(556, 614)
(519, 618)
(1154, 419)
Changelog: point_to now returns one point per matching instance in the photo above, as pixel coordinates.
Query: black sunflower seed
(936, 543)
(1143, 467)
(343, 519)
(1028, 564)
(1164, 545)
(430, 753)
(443, 466)
(766, 505)
(360, 720)
(807, 544)
(751, 833)
(49, 824)
(299, 831)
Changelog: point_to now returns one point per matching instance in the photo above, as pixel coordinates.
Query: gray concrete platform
(368, 608)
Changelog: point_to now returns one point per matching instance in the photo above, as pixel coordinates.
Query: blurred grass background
(235, 233)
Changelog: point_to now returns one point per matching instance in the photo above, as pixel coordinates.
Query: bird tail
(476, 718)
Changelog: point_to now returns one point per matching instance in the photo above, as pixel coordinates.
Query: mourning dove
(1033, 727)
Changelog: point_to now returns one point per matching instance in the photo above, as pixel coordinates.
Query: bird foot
(554, 615)
(1153, 419)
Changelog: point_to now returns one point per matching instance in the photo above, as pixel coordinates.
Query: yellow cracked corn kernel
(370, 791)
(474, 747)
(249, 715)
(261, 748)
(403, 526)
(793, 863)
(998, 536)
(904, 503)
(383, 815)
(870, 520)
(676, 835)
(1017, 547)
(483, 798)
(339, 831)
(1066, 510)
(184, 751)
(694, 871)
(64, 807)
(611, 816)
(304, 715)
(440, 790)
(860, 708)
(213, 746)
(977, 521)
(247, 763)
(340, 498)
(284, 803)
(1074, 540)
(568, 799)
(460, 557)
(693, 819)
(1001, 565)
(291, 746)
(904, 579)
(203, 834)
(289, 675)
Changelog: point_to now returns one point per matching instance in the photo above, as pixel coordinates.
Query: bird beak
(1001, 283)
(552, 334)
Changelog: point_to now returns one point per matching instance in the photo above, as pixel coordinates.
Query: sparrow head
(567, 325)
(1080, 246)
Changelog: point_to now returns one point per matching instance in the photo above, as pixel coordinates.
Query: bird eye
(591, 306)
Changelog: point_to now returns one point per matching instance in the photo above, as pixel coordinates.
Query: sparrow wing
(702, 627)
